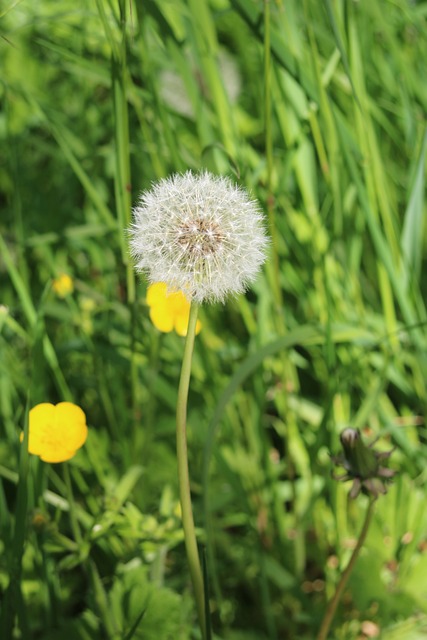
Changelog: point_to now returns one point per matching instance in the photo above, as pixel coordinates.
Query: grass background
(318, 108)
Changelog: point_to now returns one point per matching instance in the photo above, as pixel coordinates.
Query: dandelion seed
(199, 234)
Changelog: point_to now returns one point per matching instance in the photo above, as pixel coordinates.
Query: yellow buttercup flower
(56, 431)
(63, 285)
(169, 311)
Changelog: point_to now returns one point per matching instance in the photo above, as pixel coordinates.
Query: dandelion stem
(183, 473)
(332, 606)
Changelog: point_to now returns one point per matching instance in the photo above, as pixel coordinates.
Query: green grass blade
(413, 222)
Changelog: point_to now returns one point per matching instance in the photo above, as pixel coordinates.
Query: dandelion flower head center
(200, 237)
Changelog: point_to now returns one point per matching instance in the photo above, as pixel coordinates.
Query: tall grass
(319, 109)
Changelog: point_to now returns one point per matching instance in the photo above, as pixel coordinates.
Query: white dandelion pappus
(200, 234)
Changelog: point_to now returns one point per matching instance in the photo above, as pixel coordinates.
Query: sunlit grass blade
(411, 239)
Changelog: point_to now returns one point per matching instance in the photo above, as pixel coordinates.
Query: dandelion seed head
(200, 234)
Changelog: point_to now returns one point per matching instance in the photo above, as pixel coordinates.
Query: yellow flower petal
(181, 323)
(169, 311)
(63, 285)
(56, 431)
(72, 422)
(161, 318)
(156, 293)
(178, 303)
(57, 455)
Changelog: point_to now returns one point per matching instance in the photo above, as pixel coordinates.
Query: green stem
(101, 598)
(72, 507)
(183, 474)
(273, 268)
(13, 593)
(332, 606)
(13, 602)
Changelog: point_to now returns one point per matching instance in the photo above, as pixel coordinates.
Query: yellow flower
(56, 431)
(63, 285)
(169, 311)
